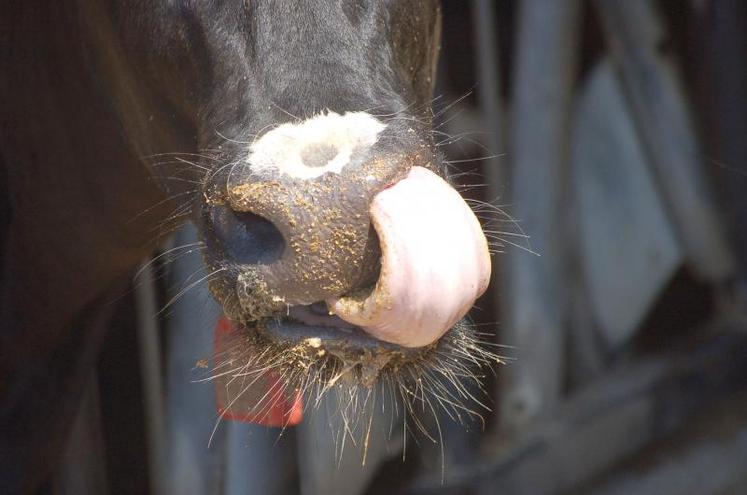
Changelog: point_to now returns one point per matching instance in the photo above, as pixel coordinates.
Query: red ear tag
(253, 398)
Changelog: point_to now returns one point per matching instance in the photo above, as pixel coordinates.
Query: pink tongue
(435, 263)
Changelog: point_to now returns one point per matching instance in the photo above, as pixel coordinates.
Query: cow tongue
(435, 263)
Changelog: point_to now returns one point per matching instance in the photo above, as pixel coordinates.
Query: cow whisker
(195, 245)
(161, 202)
(188, 288)
(447, 379)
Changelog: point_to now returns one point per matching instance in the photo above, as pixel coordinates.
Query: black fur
(93, 91)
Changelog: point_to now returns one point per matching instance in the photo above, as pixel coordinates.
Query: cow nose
(296, 218)
(247, 238)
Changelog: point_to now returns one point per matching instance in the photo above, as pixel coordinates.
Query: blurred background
(610, 138)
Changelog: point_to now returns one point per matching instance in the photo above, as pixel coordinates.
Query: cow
(296, 134)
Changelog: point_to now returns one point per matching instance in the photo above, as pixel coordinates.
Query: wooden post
(536, 300)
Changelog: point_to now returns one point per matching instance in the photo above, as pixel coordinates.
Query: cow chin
(314, 357)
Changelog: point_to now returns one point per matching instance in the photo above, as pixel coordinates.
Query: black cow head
(330, 236)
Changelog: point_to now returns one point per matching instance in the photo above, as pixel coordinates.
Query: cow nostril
(246, 237)
(318, 154)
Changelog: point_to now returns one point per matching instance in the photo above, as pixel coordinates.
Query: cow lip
(345, 342)
(350, 354)
(325, 333)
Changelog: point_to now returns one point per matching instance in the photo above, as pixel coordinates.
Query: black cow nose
(247, 238)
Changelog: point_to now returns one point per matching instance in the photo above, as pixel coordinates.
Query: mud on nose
(303, 197)
(323, 212)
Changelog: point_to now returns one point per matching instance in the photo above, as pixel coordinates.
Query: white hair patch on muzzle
(324, 143)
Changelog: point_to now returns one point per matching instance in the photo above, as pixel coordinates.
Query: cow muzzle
(340, 230)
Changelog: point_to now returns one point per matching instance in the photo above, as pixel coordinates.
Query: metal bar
(721, 44)
(196, 464)
(636, 37)
(152, 373)
(489, 90)
(536, 302)
(630, 407)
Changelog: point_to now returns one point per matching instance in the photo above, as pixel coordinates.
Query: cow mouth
(315, 326)
(311, 331)
(309, 343)
(269, 370)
